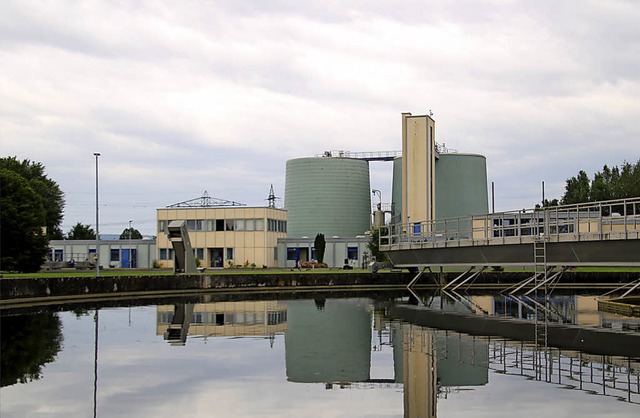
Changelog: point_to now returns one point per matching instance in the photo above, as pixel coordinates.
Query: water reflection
(27, 343)
(337, 357)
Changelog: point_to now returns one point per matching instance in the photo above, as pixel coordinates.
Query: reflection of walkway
(602, 375)
(427, 352)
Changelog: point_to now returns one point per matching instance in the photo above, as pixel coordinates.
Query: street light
(130, 252)
(379, 193)
(97, 154)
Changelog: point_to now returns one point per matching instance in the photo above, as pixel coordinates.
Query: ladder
(540, 284)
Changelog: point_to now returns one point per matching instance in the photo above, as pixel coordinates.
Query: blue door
(129, 258)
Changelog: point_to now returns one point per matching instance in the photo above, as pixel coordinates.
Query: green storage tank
(461, 185)
(327, 195)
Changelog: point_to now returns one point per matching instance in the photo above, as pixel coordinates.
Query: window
(199, 253)
(166, 254)
(211, 225)
(219, 224)
(239, 224)
(162, 226)
(58, 255)
(115, 254)
(292, 253)
(259, 225)
(250, 224)
(229, 225)
(275, 253)
(276, 317)
(195, 225)
(352, 253)
(229, 253)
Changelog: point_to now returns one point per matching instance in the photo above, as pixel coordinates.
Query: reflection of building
(246, 318)
(431, 362)
(224, 233)
(328, 341)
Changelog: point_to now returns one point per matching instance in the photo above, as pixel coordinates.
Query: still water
(328, 357)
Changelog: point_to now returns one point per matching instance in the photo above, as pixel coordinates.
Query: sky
(183, 97)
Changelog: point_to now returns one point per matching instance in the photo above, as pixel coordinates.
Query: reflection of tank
(328, 344)
(328, 195)
(461, 360)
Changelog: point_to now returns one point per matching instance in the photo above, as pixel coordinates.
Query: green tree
(80, 231)
(577, 189)
(23, 241)
(374, 245)
(320, 244)
(46, 188)
(135, 234)
(610, 183)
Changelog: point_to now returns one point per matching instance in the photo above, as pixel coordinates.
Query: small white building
(339, 251)
(120, 253)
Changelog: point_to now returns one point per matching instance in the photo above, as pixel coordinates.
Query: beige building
(418, 168)
(224, 234)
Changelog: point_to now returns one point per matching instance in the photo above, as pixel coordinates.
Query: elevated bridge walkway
(549, 240)
(592, 234)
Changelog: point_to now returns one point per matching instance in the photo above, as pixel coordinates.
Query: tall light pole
(97, 154)
(130, 252)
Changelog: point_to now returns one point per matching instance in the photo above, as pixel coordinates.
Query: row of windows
(212, 225)
(294, 253)
(229, 318)
(167, 254)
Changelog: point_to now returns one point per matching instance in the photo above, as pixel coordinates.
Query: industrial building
(115, 253)
(330, 194)
(224, 233)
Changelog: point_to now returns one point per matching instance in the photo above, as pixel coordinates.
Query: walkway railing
(596, 221)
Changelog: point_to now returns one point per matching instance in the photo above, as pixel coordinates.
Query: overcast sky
(182, 97)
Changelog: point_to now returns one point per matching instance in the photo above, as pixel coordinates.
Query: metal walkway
(591, 234)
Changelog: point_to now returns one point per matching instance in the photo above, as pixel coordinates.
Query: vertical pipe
(493, 197)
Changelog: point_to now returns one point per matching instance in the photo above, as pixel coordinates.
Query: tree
(130, 233)
(80, 231)
(320, 244)
(47, 189)
(577, 190)
(23, 241)
(374, 245)
(610, 183)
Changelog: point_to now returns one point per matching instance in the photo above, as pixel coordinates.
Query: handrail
(606, 220)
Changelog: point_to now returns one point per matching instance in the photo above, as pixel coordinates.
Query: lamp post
(130, 252)
(379, 193)
(97, 154)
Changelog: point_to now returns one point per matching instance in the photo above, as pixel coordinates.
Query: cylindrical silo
(327, 195)
(461, 185)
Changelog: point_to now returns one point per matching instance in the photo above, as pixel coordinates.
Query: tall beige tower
(418, 169)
